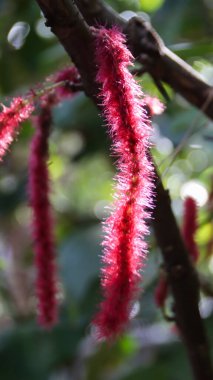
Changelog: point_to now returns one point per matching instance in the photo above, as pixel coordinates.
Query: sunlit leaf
(151, 5)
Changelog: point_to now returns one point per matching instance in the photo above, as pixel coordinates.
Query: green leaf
(151, 5)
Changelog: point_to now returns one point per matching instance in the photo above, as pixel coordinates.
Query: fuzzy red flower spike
(10, 120)
(124, 245)
(42, 224)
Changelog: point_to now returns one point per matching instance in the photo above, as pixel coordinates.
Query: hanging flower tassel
(42, 224)
(190, 226)
(10, 120)
(21, 107)
(124, 244)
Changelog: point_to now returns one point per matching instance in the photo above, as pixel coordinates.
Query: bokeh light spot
(17, 34)
(196, 190)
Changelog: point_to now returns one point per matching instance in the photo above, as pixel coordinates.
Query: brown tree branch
(149, 49)
(68, 25)
(184, 284)
(74, 34)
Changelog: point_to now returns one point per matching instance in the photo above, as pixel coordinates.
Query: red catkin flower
(190, 226)
(42, 224)
(10, 120)
(21, 108)
(124, 245)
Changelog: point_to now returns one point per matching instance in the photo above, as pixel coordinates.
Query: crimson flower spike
(124, 245)
(10, 120)
(190, 226)
(42, 224)
(21, 108)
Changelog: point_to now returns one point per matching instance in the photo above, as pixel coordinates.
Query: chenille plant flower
(56, 87)
(42, 223)
(10, 121)
(21, 108)
(124, 245)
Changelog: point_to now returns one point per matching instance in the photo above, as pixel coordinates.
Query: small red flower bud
(154, 105)
(161, 291)
(190, 226)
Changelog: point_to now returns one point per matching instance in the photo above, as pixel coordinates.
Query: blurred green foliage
(82, 171)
